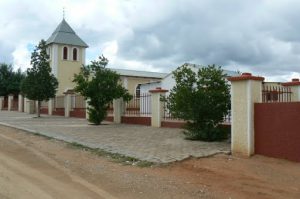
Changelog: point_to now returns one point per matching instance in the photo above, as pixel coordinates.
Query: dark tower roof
(64, 34)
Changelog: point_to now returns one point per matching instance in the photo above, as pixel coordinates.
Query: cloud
(259, 36)
(21, 56)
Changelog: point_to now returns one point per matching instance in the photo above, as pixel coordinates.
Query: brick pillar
(1, 102)
(245, 91)
(157, 106)
(10, 102)
(295, 89)
(118, 105)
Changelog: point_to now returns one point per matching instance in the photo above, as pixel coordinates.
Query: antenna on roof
(63, 12)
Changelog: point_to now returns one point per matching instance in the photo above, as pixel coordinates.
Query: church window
(74, 54)
(49, 52)
(65, 53)
(138, 91)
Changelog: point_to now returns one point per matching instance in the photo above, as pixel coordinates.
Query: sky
(257, 36)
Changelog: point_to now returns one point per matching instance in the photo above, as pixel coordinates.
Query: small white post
(10, 102)
(118, 110)
(20, 103)
(25, 105)
(50, 106)
(156, 106)
(36, 106)
(86, 109)
(1, 102)
(29, 106)
(67, 102)
(295, 89)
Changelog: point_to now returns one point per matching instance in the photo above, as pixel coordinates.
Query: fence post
(29, 106)
(20, 103)
(1, 102)
(245, 91)
(156, 106)
(86, 109)
(50, 106)
(36, 107)
(118, 110)
(67, 102)
(10, 101)
(295, 89)
(25, 105)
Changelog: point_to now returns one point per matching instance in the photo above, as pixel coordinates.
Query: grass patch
(116, 157)
(78, 146)
(44, 136)
(144, 163)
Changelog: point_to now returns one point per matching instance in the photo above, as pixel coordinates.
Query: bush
(202, 99)
(100, 86)
(96, 117)
(209, 134)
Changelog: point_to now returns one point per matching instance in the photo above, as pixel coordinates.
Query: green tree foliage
(100, 86)
(40, 84)
(10, 80)
(202, 99)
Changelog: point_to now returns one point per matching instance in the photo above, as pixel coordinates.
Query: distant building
(168, 82)
(133, 79)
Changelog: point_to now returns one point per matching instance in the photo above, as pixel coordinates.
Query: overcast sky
(258, 36)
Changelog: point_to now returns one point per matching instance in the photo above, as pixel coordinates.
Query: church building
(67, 54)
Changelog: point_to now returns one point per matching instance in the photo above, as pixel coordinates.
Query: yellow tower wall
(64, 70)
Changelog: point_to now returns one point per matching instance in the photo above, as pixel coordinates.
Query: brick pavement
(161, 145)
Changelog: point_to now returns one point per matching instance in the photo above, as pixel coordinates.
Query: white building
(168, 82)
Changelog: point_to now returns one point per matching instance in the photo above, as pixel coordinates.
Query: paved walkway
(161, 145)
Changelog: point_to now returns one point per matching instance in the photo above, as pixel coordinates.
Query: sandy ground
(36, 167)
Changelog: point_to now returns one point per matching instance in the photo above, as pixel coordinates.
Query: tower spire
(63, 12)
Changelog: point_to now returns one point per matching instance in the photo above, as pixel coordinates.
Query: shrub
(100, 86)
(202, 99)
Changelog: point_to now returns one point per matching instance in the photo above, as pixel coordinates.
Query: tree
(40, 84)
(10, 81)
(99, 85)
(202, 99)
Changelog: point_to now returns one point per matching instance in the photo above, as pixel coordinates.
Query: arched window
(138, 91)
(65, 53)
(49, 52)
(74, 54)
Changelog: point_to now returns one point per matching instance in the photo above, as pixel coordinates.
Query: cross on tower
(63, 12)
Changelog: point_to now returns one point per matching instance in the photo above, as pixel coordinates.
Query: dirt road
(27, 173)
(36, 167)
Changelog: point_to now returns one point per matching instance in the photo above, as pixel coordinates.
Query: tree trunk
(38, 112)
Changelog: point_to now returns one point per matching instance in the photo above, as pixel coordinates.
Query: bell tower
(67, 54)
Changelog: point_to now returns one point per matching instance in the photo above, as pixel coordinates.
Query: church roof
(137, 73)
(64, 34)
